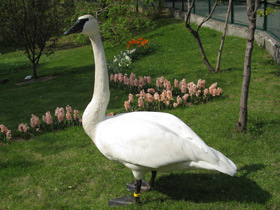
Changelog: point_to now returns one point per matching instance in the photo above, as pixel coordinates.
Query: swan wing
(173, 123)
(131, 139)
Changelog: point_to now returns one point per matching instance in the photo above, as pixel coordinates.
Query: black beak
(77, 27)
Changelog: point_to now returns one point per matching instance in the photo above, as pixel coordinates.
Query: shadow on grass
(16, 167)
(228, 70)
(205, 188)
(256, 125)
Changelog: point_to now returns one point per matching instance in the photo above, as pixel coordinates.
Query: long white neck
(95, 111)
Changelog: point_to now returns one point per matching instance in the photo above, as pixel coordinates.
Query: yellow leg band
(136, 195)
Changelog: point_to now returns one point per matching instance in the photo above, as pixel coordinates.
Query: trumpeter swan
(142, 141)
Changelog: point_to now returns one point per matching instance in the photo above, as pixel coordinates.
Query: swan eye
(77, 27)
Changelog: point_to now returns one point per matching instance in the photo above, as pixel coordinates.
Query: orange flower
(127, 46)
(140, 42)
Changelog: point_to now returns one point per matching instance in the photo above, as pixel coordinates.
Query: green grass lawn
(64, 169)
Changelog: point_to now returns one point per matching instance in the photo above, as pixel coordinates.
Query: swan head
(85, 24)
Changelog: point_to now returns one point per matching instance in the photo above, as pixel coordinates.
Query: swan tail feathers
(224, 164)
(221, 163)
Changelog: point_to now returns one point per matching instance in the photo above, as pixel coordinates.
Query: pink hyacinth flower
(163, 96)
(176, 83)
(149, 79)
(205, 92)
(61, 110)
(34, 121)
(214, 92)
(167, 103)
(183, 88)
(125, 80)
(48, 118)
(3, 128)
(157, 97)
(116, 77)
(151, 90)
(130, 98)
(149, 98)
(68, 109)
(132, 76)
(212, 87)
(200, 84)
(76, 114)
(219, 91)
(141, 102)
(161, 79)
(56, 111)
(111, 77)
(127, 105)
(69, 116)
(185, 97)
(141, 81)
(9, 134)
(111, 114)
(169, 95)
(22, 127)
(198, 93)
(60, 117)
(136, 83)
(167, 85)
(158, 84)
(142, 93)
(182, 83)
(179, 100)
(120, 77)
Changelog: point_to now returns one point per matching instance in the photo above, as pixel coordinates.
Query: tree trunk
(243, 112)
(35, 76)
(137, 5)
(190, 6)
(223, 38)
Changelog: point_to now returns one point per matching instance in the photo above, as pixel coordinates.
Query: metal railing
(269, 23)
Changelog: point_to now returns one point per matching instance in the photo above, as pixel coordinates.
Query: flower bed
(165, 96)
(48, 123)
(136, 48)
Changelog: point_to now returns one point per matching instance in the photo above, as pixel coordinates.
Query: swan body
(142, 141)
(153, 141)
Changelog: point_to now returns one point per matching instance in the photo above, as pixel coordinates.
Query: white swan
(142, 141)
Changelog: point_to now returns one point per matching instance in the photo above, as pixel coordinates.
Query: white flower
(127, 58)
(131, 51)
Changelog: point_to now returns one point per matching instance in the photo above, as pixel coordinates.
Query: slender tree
(196, 34)
(252, 8)
(34, 25)
(223, 38)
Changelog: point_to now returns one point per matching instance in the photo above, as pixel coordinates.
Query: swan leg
(152, 180)
(145, 186)
(127, 199)
(137, 191)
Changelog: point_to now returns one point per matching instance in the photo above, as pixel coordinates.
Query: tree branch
(209, 16)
